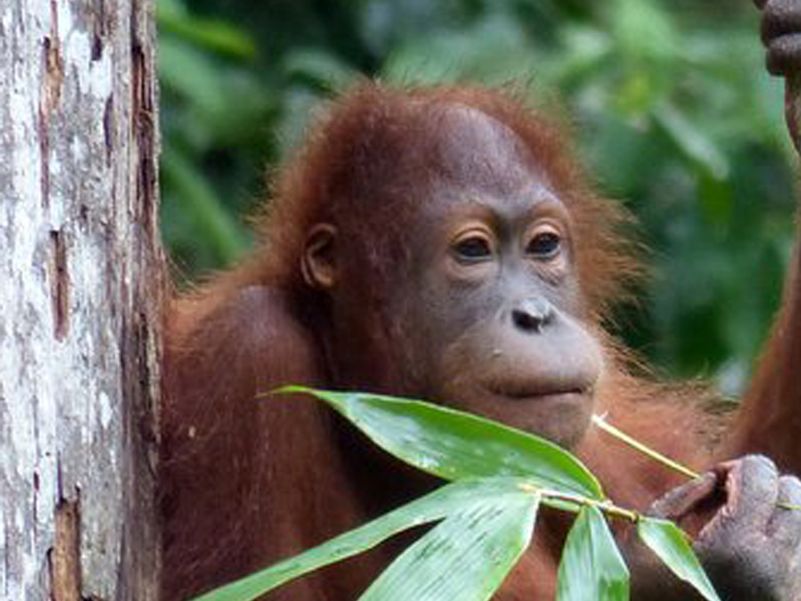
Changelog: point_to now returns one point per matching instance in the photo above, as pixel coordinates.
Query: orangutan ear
(318, 263)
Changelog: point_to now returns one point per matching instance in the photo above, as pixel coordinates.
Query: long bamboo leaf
(591, 565)
(465, 558)
(458, 496)
(671, 546)
(455, 445)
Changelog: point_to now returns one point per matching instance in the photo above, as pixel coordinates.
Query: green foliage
(671, 546)
(486, 515)
(455, 445)
(591, 566)
(673, 113)
(466, 495)
(466, 556)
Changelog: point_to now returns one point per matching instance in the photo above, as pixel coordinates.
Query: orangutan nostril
(532, 315)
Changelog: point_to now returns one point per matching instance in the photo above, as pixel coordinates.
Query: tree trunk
(81, 287)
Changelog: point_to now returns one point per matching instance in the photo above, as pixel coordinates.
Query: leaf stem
(600, 421)
(605, 506)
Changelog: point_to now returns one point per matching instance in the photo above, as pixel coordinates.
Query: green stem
(601, 422)
(605, 506)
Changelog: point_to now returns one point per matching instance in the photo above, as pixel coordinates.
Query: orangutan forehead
(445, 149)
(473, 148)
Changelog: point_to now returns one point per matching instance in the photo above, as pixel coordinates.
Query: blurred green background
(673, 114)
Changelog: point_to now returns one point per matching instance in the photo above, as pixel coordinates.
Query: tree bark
(81, 287)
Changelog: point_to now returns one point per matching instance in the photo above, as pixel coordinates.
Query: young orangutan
(443, 244)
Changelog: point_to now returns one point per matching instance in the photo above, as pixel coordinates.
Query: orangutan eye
(545, 245)
(474, 248)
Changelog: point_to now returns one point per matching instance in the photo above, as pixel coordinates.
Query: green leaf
(200, 200)
(692, 141)
(191, 74)
(466, 557)
(671, 546)
(458, 496)
(319, 68)
(644, 31)
(591, 565)
(454, 445)
(496, 50)
(212, 34)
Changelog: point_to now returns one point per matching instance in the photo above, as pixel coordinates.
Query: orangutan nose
(532, 315)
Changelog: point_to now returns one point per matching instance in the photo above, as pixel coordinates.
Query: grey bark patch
(81, 290)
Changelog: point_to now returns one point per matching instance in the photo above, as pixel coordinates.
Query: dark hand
(781, 34)
(751, 545)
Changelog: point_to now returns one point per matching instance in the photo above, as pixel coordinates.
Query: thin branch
(600, 421)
